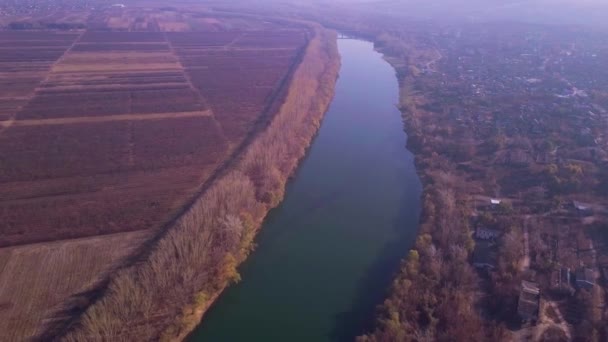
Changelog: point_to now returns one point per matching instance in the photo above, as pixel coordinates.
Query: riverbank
(497, 174)
(433, 293)
(527, 151)
(164, 296)
(436, 279)
(326, 255)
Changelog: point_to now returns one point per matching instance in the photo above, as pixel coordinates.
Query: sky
(558, 12)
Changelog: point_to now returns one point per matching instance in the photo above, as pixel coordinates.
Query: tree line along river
(326, 256)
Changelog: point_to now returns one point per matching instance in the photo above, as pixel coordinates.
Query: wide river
(326, 255)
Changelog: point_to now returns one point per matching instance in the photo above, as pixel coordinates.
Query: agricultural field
(30, 289)
(107, 134)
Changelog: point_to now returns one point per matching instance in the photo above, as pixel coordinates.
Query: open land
(112, 121)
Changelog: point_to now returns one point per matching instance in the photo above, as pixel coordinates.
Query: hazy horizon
(589, 13)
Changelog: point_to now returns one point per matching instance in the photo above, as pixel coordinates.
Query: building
(582, 208)
(529, 301)
(561, 281)
(585, 278)
(485, 256)
(486, 234)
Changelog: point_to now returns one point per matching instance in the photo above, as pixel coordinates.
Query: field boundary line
(5, 125)
(58, 60)
(192, 87)
(108, 118)
(236, 39)
(83, 239)
(183, 70)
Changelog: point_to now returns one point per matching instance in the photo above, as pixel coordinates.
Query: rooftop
(585, 275)
(484, 255)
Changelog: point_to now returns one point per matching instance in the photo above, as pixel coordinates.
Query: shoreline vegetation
(434, 292)
(438, 294)
(165, 295)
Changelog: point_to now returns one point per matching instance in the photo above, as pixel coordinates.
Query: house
(561, 281)
(485, 256)
(495, 201)
(486, 234)
(529, 301)
(582, 208)
(585, 278)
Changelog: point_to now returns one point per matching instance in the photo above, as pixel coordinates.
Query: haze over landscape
(290, 170)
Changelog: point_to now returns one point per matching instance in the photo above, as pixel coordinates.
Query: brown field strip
(36, 279)
(102, 177)
(130, 65)
(107, 118)
(105, 88)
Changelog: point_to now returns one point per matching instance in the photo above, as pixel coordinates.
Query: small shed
(529, 301)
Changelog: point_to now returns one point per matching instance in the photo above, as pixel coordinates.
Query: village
(511, 120)
(527, 134)
(554, 294)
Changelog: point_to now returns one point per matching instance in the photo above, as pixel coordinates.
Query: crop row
(40, 36)
(83, 104)
(34, 43)
(18, 86)
(266, 40)
(161, 47)
(201, 38)
(49, 151)
(237, 63)
(54, 218)
(27, 67)
(121, 81)
(237, 84)
(231, 53)
(84, 79)
(31, 55)
(121, 37)
(111, 88)
(236, 79)
(39, 152)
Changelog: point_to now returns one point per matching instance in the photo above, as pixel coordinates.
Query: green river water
(326, 255)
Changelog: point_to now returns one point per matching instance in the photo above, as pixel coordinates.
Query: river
(325, 257)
